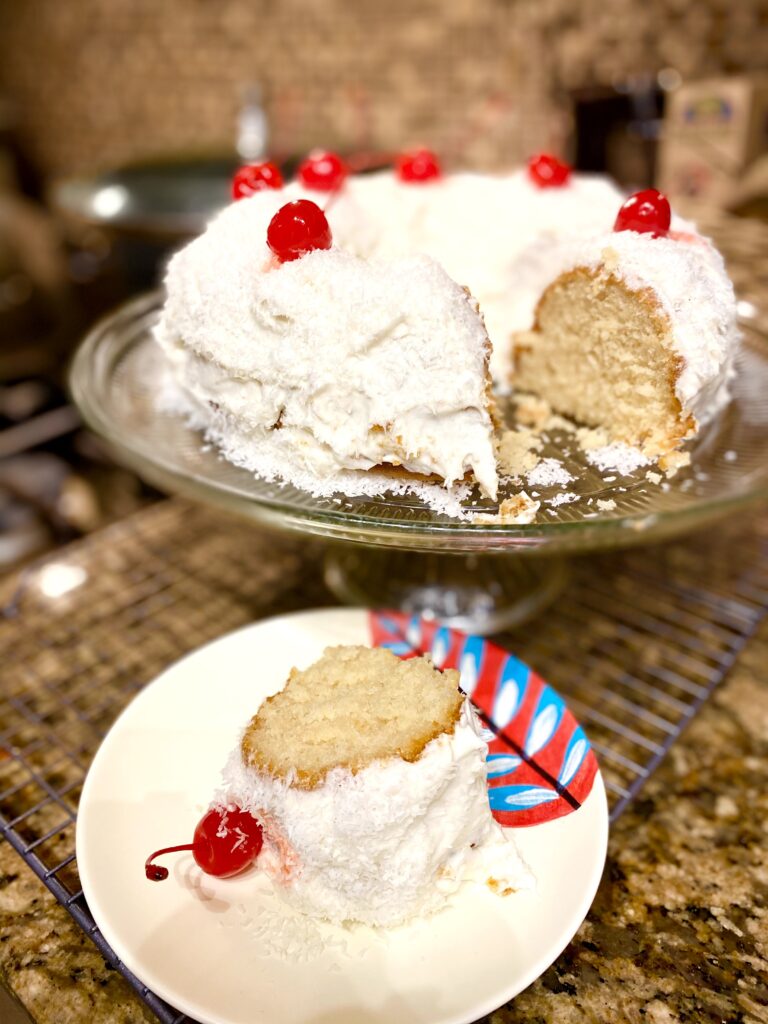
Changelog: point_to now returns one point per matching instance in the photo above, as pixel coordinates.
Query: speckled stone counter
(679, 929)
(678, 932)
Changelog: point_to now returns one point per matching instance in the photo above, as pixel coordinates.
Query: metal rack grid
(635, 644)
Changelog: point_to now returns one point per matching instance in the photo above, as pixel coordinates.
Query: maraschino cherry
(225, 843)
(418, 165)
(547, 171)
(323, 171)
(251, 178)
(298, 228)
(647, 212)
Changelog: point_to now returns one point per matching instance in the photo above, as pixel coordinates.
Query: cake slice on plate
(368, 776)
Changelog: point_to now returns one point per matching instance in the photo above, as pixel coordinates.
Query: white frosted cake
(368, 776)
(473, 225)
(362, 366)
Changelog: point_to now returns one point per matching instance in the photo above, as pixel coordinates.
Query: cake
(475, 226)
(635, 331)
(368, 777)
(364, 365)
(332, 371)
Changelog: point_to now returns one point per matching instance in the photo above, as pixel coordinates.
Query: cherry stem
(370, 161)
(156, 872)
(333, 196)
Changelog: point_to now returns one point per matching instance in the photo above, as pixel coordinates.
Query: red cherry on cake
(647, 212)
(298, 228)
(546, 171)
(225, 843)
(322, 171)
(418, 165)
(252, 178)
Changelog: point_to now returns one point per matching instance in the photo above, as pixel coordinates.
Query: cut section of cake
(323, 370)
(368, 776)
(635, 333)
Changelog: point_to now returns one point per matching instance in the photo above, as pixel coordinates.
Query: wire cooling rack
(636, 643)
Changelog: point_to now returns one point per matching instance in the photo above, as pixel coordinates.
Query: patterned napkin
(540, 763)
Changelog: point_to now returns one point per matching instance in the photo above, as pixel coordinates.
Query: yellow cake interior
(602, 354)
(354, 706)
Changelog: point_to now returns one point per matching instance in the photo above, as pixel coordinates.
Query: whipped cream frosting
(388, 843)
(685, 276)
(475, 226)
(329, 364)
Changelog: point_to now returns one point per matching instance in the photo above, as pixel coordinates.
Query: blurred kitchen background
(122, 120)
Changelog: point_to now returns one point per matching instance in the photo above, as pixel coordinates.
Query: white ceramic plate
(230, 951)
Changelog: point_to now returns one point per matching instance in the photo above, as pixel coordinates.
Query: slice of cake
(326, 369)
(636, 334)
(368, 776)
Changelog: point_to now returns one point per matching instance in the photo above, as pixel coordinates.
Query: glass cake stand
(394, 551)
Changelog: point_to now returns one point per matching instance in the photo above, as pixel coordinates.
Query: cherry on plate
(225, 843)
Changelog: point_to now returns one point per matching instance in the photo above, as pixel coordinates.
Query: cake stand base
(477, 593)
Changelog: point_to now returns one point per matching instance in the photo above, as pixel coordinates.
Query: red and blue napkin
(540, 763)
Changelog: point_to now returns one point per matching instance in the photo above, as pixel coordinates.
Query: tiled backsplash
(99, 82)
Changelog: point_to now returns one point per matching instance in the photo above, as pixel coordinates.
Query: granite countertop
(678, 931)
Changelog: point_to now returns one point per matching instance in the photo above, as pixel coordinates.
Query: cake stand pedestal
(480, 575)
(476, 593)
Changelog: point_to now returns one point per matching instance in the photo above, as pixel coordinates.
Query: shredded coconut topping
(622, 458)
(563, 498)
(388, 843)
(549, 473)
(331, 365)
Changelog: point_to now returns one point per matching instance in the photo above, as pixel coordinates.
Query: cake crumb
(606, 506)
(532, 411)
(555, 422)
(653, 478)
(519, 509)
(518, 451)
(730, 455)
(498, 887)
(674, 461)
(590, 437)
